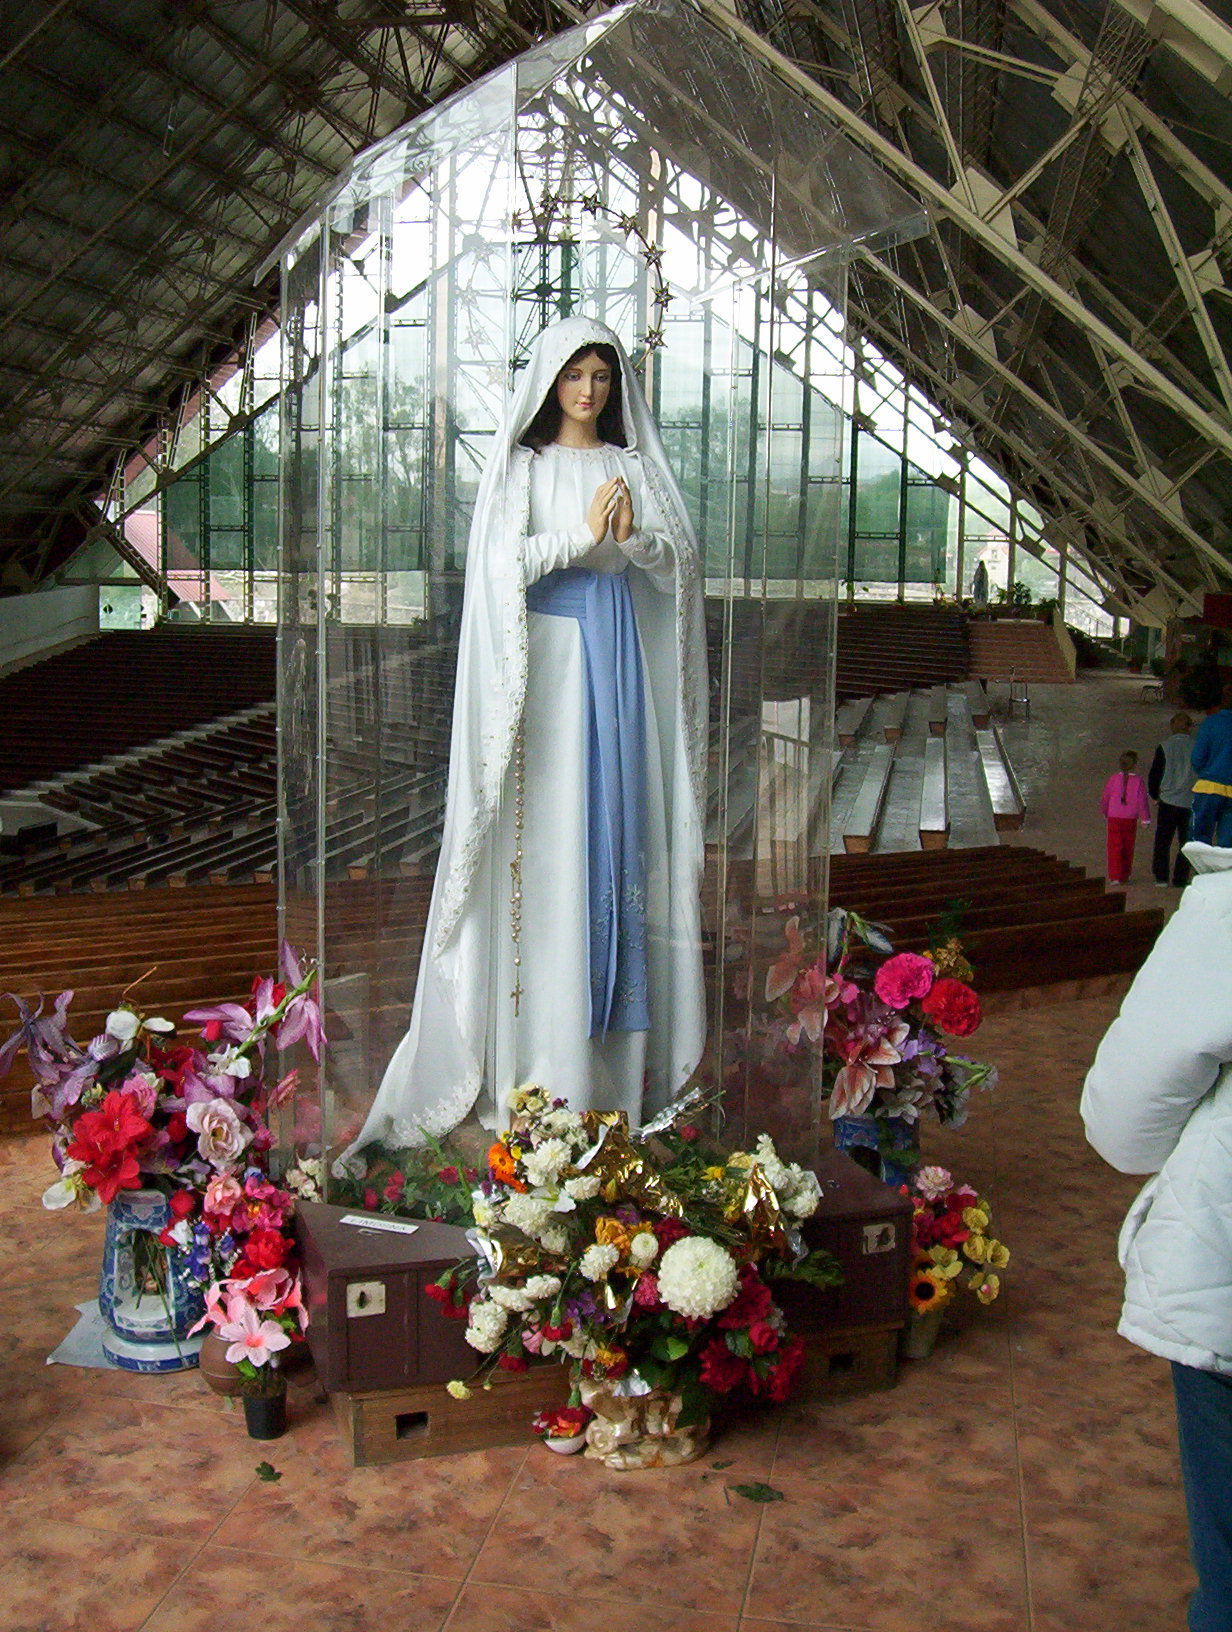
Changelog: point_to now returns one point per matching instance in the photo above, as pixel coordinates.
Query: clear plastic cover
(647, 173)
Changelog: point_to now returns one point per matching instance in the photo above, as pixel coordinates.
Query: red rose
(953, 1007)
(394, 1186)
(267, 1249)
(764, 1337)
(182, 1203)
(513, 1362)
(371, 1200)
(721, 1370)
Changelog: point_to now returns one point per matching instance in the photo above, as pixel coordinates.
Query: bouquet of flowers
(951, 1242)
(136, 1108)
(644, 1262)
(879, 1019)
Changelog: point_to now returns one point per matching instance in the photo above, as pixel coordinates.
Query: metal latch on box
(365, 1298)
(879, 1238)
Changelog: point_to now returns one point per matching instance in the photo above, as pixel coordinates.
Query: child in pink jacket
(1124, 805)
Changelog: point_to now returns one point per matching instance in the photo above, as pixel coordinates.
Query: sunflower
(928, 1290)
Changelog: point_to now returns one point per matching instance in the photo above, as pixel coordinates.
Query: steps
(1016, 649)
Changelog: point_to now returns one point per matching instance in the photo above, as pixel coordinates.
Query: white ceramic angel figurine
(563, 939)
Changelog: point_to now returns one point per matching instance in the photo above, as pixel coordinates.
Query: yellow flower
(977, 1218)
(976, 1248)
(998, 1255)
(610, 1232)
(944, 1261)
(989, 1289)
(458, 1390)
(714, 1174)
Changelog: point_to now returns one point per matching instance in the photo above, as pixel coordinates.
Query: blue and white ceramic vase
(146, 1329)
(872, 1141)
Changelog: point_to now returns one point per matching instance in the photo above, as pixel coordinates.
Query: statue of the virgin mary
(563, 939)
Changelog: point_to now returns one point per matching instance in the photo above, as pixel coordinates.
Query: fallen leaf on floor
(758, 1492)
(269, 1474)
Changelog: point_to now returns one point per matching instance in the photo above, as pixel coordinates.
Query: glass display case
(658, 172)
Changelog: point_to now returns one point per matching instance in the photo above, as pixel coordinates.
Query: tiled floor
(1023, 1478)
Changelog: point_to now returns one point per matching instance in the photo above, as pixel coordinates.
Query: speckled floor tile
(482, 1608)
(59, 1576)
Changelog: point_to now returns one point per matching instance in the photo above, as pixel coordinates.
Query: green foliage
(267, 1473)
(758, 1492)
(817, 1268)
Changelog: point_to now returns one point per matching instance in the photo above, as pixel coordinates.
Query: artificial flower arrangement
(952, 1244)
(644, 1262)
(880, 1020)
(136, 1108)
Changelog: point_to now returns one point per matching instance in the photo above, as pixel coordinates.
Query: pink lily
(229, 1020)
(250, 1337)
(781, 975)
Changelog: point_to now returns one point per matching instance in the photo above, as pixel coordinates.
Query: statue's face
(582, 389)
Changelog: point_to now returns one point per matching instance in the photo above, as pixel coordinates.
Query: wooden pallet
(404, 1424)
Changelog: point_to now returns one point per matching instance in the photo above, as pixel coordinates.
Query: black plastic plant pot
(265, 1415)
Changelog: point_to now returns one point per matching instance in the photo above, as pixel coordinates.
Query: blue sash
(602, 603)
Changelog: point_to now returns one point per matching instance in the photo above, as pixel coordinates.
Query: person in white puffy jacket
(1158, 1100)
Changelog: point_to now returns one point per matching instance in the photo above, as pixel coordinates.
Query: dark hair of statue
(610, 425)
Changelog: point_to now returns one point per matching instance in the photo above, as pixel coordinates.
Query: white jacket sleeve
(1163, 1052)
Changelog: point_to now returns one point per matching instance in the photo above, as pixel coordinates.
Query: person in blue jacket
(1211, 818)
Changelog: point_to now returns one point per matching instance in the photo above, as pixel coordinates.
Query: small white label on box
(370, 1221)
(879, 1238)
(365, 1298)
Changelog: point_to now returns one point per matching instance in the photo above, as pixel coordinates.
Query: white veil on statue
(439, 1069)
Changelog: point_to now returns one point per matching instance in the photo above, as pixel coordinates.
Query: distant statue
(563, 941)
(979, 584)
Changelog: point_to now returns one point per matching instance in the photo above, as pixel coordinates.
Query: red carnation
(107, 1141)
(781, 1381)
(513, 1362)
(752, 1303)
(177, 1128)
(448, 1175)
(394, 1186)
(721, 1370)
(668, 1231)
(182, 1203)
(438, 1294)
(953, 1007)
(558, 1334)
(764, 1337)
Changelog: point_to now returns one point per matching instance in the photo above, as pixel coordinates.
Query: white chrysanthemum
(486, 1325)
(583, 1188)
(597, 1260)
(542, 1165)
(509, 1297)
(539, 1287)
(697, 1278)
(458, 1389)
(643, 1249)
(804, 1200)
(575, 1345)
(554, 1239)
(484, 1213)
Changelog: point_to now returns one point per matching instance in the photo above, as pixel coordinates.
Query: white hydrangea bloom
(542, 1165)
(643, 1249)
(597, 1260)
(486, 1325)
(697, 1277)
(585, 1187)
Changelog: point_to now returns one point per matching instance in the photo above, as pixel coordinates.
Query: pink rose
(222, 1194)
(904, 976)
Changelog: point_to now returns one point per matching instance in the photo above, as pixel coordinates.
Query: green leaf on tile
(758, 1492)
(268, 1474)
(717, 1465)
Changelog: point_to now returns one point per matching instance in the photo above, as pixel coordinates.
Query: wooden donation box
(852, 1330)
(384, 1352)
